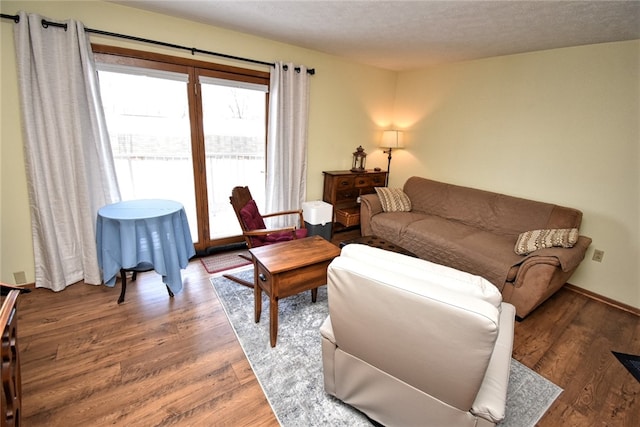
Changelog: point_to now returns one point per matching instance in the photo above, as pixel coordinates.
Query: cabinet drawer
(344, 182)
(376, 180)
(364, 181)
(350, 194)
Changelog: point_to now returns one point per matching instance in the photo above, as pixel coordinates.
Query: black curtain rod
(193, 50)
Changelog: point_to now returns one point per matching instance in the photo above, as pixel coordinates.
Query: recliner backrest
(437, 339)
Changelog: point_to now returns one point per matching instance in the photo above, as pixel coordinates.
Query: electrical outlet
(598, 255)
(19, 277)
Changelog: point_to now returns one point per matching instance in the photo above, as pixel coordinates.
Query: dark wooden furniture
(11, 376)
(288, 268)
(143, 267)
(343, 189)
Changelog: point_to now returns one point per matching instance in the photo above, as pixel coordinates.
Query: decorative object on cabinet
(343, 189)
(391, 139)
(359, 160)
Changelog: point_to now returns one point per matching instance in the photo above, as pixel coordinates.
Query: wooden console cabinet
(342, 189)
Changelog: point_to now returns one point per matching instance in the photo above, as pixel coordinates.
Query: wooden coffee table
(288, 268)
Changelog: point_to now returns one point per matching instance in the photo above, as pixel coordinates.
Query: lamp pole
(386, 184)
(390, 139)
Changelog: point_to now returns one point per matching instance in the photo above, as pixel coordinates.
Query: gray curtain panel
(287, 140)
(69, 166)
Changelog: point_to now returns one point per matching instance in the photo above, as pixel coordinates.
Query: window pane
(148, 122)
(234, 127)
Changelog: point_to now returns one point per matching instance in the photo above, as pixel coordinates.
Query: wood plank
(569, 340)
(153, 360)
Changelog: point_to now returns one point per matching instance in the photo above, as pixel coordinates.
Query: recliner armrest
(329, 348)
(491, 400)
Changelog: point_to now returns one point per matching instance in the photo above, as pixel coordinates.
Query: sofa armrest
(567, 259)
(369, 206)
(533, 261)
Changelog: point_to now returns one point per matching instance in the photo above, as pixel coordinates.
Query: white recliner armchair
(412, 343)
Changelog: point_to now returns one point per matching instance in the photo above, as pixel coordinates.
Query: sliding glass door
(234, 124)
(148, 122)
(188, 134)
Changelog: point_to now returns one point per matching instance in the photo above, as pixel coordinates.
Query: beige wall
(559, 126)
(349, 102)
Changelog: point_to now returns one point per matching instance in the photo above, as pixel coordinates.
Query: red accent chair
(254, 230)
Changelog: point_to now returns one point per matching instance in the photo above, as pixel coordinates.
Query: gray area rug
(291, 373)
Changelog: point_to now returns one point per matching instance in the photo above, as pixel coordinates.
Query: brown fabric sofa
(476, 231)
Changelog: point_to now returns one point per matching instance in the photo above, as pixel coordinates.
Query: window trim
(125, 56)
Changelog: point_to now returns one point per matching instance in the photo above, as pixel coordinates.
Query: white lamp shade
(392, 139)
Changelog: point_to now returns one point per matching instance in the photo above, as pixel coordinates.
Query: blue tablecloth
(144, 231)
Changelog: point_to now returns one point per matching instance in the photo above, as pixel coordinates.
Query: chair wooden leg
(248, 258)
(238, 280)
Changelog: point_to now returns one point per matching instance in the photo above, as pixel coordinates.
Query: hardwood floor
(156, 360)
(153, 360)
(569, 340)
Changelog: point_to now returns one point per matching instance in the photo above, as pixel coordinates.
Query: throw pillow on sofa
(393, 199)
(533, 240)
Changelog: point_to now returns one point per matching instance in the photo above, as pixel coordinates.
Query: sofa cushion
(393, 199)
(530, 241)
(251, 216)
(391, 225)
(451, 243)
(493, 212)
(253, 221)
(285, 236)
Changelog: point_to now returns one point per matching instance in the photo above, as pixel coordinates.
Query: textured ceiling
(403, 35)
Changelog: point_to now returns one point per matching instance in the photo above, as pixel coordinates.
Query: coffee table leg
(314, 294)
(273, 326)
